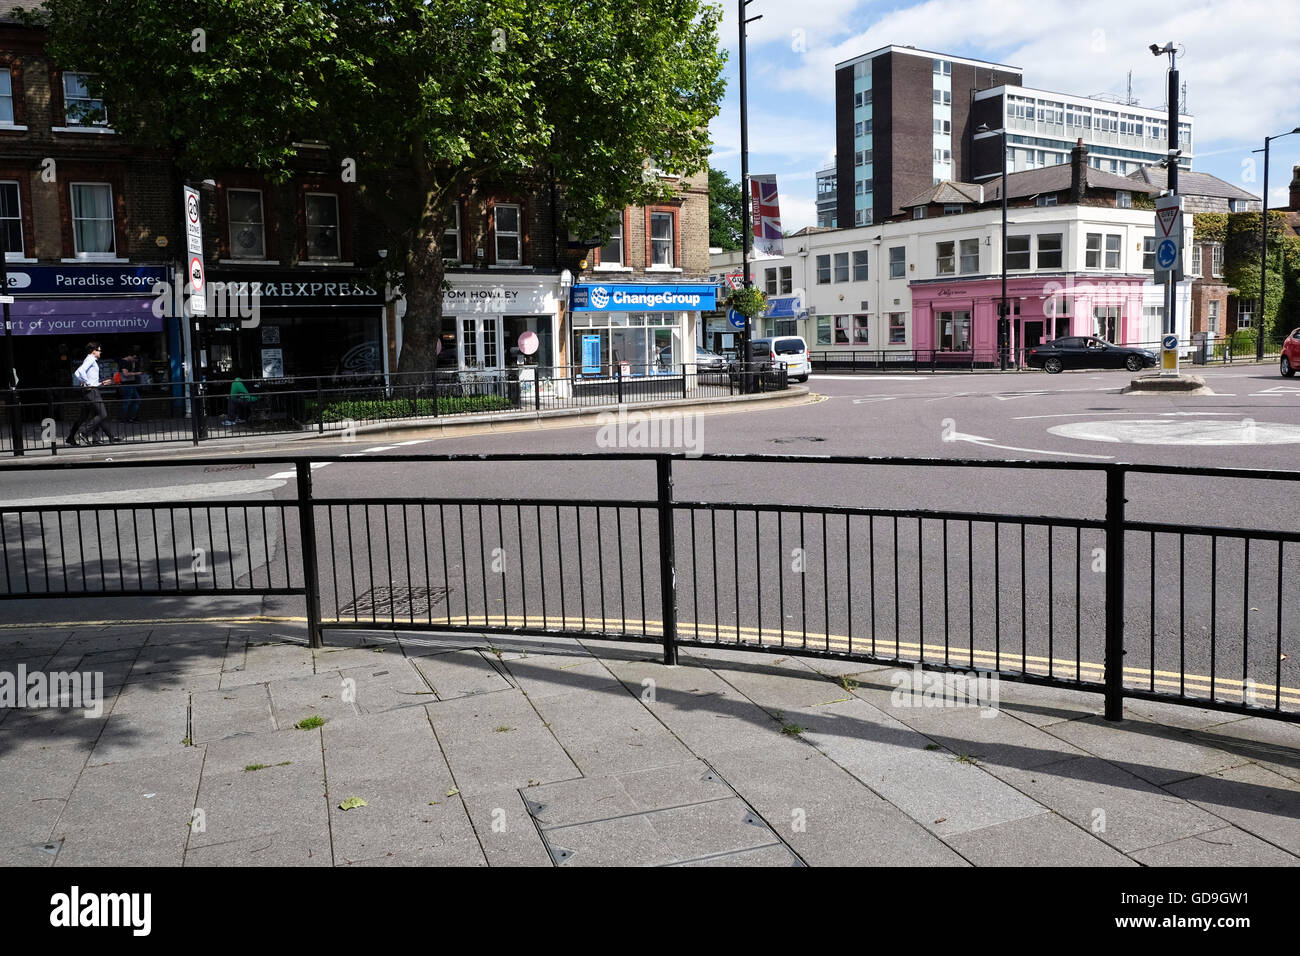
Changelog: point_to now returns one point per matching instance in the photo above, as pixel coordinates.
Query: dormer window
(918, 212)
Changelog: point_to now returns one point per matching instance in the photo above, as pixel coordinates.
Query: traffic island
(1168, 384)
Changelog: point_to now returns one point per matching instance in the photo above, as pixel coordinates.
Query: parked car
(788, 351)
(1290, 353)
(706, 361)
(1087, 351)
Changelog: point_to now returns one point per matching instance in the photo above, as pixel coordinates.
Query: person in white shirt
(93, 414)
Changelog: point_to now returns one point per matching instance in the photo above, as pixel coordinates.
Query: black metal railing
(1093, 600)
(289, 405)
(848, 359)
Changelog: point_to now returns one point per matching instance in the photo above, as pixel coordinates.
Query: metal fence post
(196, 411)
(320, 407)
(667, 556)
(618, 378)
(310, 571)
(537, 388)
(1115, 593)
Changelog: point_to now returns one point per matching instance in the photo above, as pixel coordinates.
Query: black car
(1079, 351)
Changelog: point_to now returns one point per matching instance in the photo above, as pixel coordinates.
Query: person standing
(129, 370)
(93, 414)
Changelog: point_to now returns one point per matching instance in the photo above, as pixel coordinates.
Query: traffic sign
(1169, 239)
(196, 275)
(736, 319)
(1170, 342)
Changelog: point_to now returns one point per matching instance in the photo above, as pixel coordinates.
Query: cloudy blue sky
(1240, 63)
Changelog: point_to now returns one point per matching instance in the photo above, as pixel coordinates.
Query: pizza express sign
(295, 290)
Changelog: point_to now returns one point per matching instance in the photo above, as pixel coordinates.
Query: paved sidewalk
(560, 752)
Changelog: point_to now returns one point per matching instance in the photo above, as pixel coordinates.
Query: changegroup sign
(643, 298)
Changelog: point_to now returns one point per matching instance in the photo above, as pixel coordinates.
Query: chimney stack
(1078, 171)
(1295, 189)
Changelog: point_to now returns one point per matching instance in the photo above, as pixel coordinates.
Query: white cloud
(797, 212)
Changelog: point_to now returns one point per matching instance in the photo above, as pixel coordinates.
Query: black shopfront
(281, 324)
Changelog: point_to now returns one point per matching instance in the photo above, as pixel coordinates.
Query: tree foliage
(427, 98)
(725, 212)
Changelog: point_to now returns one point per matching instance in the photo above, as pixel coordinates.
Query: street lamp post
(1263, 252)
(745, 198)
(1171, 294)
(1004, 313)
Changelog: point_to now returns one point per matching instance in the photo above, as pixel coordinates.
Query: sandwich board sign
(1169, 238)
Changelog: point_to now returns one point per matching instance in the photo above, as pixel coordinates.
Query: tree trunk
(423, 322)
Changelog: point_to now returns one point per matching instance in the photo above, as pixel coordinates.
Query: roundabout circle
(1166, 432)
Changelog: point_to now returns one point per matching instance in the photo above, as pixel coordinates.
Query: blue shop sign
(643, 298)
(100, 281)
(784, 307)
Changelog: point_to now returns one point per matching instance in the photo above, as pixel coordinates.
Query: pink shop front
(962, 317)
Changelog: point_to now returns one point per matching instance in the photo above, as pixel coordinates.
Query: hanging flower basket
(749, 302)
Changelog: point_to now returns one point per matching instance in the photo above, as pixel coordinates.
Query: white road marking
(379, 448)
(293, 474)
(417, 441)
(869, 378)
(1026, 418)
(1011, 397)
(1244, 431)
(986, 443)
(867, 400)
(130, 496)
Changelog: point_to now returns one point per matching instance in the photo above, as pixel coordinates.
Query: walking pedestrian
(93, 414)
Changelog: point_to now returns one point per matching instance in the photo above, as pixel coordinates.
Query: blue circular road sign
(1170, 342)
(1166, 253)
(736, 319)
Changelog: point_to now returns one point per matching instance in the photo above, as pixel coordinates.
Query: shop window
(661, 239)
(841, 267)
(860, 265)
(841, 330)
(247, 224)
(787, 280)
(11, 219)
(897, 262)
(322, 215)
(897, 328)
(945, 258)
(80, 109)
(6, 98)
(952, 331)
(823, 330)
(611, 253)
(505, 228)
(860, 326)
(92, 220)
(1049, 251)
(970, 255)
(823, 270)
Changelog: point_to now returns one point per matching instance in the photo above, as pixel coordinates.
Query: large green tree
(426, 98)
(725, 211)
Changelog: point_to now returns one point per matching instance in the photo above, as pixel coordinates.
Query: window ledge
(604, 268)
(15, 257)
(83, 129)
(663, 269)
(248, 262)
(109, 260)
(11, 128)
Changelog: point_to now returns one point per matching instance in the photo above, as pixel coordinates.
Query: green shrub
(386, 408)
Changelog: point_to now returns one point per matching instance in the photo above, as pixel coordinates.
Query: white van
(790, 351)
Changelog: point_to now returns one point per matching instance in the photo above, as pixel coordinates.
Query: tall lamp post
(1004, 314)
(1263, 252)
(744, 186)
(1171, 296)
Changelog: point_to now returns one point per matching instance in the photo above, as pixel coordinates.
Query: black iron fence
(1195, 614)
(847, 359)
(164, 413)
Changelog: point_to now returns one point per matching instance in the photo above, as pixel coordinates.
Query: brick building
(89, 223)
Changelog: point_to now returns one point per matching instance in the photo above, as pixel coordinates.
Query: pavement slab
(145, 731)
(382, 685)
(134, 813)
(1041, 840)
(320, 695)
(1226, 847)
(464, 673)
(244, 709)
(267, 661)
(1119, 807)
(1251, 798)
(505, 828)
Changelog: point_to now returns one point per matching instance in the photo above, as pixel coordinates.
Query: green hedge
(380, 409)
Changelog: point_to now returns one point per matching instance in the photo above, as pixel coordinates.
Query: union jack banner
(765, 215)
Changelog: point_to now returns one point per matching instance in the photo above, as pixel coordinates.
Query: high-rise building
(901, 117)
(826, 196)
(906, 119)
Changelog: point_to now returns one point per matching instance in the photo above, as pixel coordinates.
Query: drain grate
(397, 601)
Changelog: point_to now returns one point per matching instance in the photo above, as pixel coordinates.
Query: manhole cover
(396, 600)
